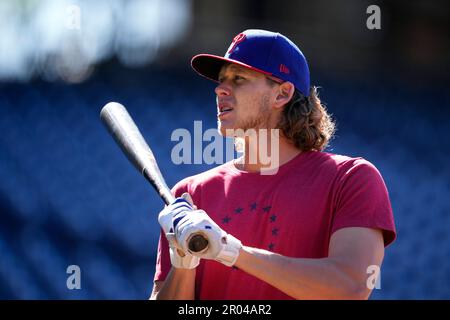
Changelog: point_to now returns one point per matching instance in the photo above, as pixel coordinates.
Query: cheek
(247, 104)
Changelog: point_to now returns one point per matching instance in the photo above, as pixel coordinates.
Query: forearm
(179, 285)
(303, 278)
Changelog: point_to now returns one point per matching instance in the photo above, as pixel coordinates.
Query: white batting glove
(222, 247)
(179, 258)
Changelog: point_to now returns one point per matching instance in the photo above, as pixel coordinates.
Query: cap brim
(208, 65)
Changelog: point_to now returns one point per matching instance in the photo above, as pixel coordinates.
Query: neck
(266, 152)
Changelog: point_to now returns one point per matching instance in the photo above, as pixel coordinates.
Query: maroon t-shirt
(293, 213)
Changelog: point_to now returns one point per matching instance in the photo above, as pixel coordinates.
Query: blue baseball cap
(264, 51)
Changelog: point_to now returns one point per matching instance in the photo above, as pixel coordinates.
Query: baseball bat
(127, 135)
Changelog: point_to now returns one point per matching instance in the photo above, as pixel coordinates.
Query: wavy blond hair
(306, 122)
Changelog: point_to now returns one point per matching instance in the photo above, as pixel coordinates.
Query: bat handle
(160, 186)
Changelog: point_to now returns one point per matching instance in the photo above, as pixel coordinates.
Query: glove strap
(230, 251)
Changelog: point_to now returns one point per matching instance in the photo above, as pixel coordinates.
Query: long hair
(306, 122)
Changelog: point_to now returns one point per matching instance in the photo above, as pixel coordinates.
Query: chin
(222, 128)
(223, 131)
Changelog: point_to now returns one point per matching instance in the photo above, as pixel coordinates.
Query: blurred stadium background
(68, 196)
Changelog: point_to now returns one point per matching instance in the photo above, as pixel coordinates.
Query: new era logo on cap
(263, 51)
(284, 69)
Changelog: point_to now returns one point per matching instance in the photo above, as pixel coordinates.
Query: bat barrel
(126, 134)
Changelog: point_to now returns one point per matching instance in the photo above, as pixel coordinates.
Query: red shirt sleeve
(162, 259)
(362, 200)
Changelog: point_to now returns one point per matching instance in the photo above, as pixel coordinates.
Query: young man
(309, 229)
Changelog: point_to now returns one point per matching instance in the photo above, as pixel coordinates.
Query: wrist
(183, 272)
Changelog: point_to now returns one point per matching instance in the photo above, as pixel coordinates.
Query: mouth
(223, 109)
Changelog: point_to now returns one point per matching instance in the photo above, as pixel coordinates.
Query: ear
(284, 94)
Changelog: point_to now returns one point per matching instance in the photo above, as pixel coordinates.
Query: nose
(223, 89)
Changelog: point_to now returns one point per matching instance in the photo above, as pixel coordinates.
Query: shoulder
(355, 175)
(330, 167)
(342, 171)
(345, 165)
(193, 183)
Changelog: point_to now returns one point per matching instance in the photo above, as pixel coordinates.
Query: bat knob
(198, 243)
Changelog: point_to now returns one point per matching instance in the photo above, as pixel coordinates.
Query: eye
(235, 78)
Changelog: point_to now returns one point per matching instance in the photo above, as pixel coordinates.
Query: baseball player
(310, 230)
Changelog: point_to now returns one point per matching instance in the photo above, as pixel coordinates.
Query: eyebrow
(235, 68)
